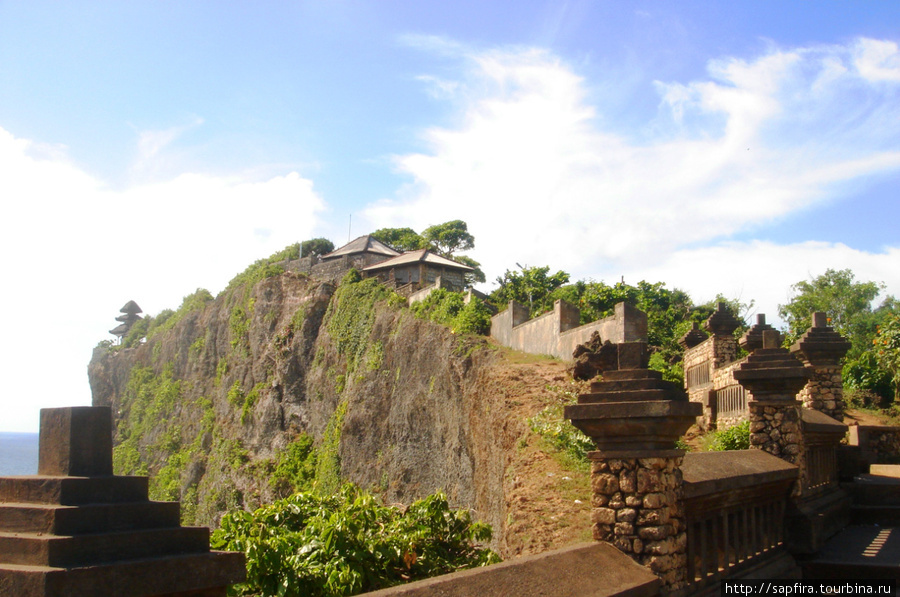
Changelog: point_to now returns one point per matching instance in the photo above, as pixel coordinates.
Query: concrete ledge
(584, 570)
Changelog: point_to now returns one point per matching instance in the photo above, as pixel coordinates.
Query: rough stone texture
(821, 348)
(634, 418)
(638, 508)
(69, 532)
(878, 444)
(435, 412)
(557, 333)
(586, 570)
(774, 377)
(825, 392)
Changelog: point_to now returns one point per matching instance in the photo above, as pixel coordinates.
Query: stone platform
(75, 529)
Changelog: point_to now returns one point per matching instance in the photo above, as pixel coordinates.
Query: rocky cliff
(222, 400)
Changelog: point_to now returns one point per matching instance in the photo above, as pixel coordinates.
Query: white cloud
(542, 178)
(877, 60)
(75, 251)
(765, 271)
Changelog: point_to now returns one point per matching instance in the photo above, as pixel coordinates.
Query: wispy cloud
(542, 178)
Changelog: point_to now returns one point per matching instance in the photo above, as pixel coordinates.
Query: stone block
(75, 442)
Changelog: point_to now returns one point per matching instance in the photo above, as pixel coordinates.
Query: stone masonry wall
(557, 334)
(825, 392)
(637, 505)
(775, 428)
(724, 378)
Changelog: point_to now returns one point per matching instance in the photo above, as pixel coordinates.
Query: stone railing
(822, 436)
(878, 444)
(731, 403)
(735, 504)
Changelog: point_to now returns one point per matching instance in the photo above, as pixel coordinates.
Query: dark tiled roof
(420, 256)
(363, 244)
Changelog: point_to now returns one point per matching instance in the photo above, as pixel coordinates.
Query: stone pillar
(821, 348)
(77, 530)
(753, 338)
(721, 325)
(634, 418)
(773, 376)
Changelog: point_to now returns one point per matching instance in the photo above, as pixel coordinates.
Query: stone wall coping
(779, 403)
(623, 454)
(587, 569)
(880, 428)
(820, 423)
(723, 472)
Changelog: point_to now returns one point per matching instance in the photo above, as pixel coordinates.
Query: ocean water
(18, 453)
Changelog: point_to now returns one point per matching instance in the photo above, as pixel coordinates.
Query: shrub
(349, 543)
(736, 437)
(448, 308)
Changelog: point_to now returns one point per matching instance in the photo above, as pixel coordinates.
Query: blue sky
(150, 148)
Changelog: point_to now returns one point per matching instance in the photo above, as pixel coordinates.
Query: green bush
(448, 308)
(561, 434)
(349, 543)
(295, 467)
(864, 373)
(264, 268)
(732, 438)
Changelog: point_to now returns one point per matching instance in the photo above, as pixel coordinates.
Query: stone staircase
(869, 548)
(76, 530)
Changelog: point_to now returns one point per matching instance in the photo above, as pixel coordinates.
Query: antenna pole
(349, 225)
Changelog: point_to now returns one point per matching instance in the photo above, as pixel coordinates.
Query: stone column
(77, 530)
(634, 418)
(822, 349)
(721, 325)
(753, 338)
(773, 376)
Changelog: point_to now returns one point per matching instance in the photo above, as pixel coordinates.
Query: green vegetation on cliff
(448, 308)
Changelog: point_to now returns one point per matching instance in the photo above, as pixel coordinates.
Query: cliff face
(214, 402)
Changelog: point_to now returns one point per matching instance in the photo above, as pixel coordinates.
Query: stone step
(632, 384)
(632, 396)
(620, 374)
(53, 519)
(72, 491)
(871, 490)
(875, 515)
(32, 549)
(885, 470)
(859, 551)
(135, 578)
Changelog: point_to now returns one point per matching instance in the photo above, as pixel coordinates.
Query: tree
(887, 349)
(847, 303)
(472, 278)
(316, 247)
(400, 239)
(449, 237)
(530, 286)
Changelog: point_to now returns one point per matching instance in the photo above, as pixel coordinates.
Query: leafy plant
(349, 543)
(295, 467)
(449, 308)
(736, 437)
